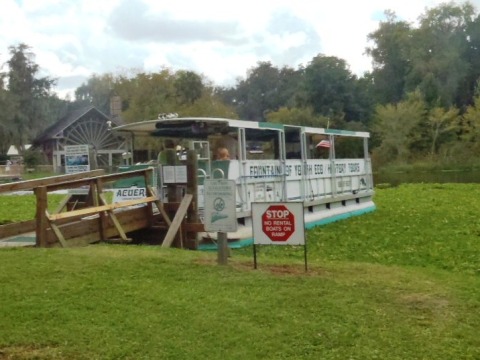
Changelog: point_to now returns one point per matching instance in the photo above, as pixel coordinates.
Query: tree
(297, 116)
(439, 53)
(28, 94)
(7, 125)
(395, 125)
(189, 86)
(390, 58)
(471, 127)
(466, 94)
(329, 88)
(442, 123)
(97, 91)
(362, 106)
(265, 90)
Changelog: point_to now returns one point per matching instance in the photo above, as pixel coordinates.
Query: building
(14, 155)
(85, 126)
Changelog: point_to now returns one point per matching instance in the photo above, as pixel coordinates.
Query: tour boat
(327, 170)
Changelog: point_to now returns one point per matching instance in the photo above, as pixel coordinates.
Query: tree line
(421, 101)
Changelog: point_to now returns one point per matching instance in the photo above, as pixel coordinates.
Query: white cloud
(222, 40)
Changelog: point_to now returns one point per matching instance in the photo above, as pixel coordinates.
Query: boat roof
(323, 131)
(179, 126)
(151, 126)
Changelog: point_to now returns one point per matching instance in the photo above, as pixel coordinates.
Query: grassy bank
(15, 208)
(400, 283)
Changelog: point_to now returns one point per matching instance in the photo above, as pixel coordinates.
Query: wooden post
(148, 181)
(91, 198)
(177, 221)
(222, 248)
(41, 216)
(100, 201)
(191, 240)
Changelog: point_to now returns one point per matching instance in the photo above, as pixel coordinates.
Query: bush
(32, 158)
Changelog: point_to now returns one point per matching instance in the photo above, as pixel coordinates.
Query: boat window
(262, 144)
(349, 147)
(255, 150)
(292, 143)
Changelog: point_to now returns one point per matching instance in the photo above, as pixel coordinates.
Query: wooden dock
(87, 219)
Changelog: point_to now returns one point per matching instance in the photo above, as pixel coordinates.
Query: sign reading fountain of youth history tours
(76, 159)
(220, 206)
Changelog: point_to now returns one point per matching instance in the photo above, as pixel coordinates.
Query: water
(398, 178)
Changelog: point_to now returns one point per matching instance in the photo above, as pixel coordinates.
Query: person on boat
(223, 154)
(230, 143)
(168, 147)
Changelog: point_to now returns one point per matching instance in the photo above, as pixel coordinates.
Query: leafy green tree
(390, 56)
(28, 96)
(440, 57)
(7, 126)
(329, 88)
(439, 53)
(208, 104)
(265, 89)
(470, 122)
(189, 86)
(97, 91)
(442, 124)
(289, 84)
(32, 157)
(297, 116)
(466, 94)
(362, 107)
(146, 95)
(395, 125)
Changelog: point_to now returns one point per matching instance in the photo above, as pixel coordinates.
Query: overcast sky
(73, 39)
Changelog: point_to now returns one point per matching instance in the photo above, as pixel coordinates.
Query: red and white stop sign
(278, 223)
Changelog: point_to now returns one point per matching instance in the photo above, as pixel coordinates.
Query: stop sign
(278, 223)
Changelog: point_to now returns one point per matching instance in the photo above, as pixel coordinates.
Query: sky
(221, 40)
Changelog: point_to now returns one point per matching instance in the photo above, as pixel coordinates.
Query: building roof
(55, 130)
(13, 151)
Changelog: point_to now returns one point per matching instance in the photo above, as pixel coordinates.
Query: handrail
(204, 173)
(104, 178)
(97, 209)
(31, 184)
(221, 172)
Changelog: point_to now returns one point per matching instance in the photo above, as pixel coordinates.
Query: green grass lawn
(15, 208)
(400, 283)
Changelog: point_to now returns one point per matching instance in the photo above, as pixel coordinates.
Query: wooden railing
(96, 219)
(88, 217)
(27, 226)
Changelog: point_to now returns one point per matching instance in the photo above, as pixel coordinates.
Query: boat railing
(222, 174)
(203, 173)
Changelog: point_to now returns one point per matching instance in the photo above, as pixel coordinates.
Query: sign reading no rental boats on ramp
(278, 223)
